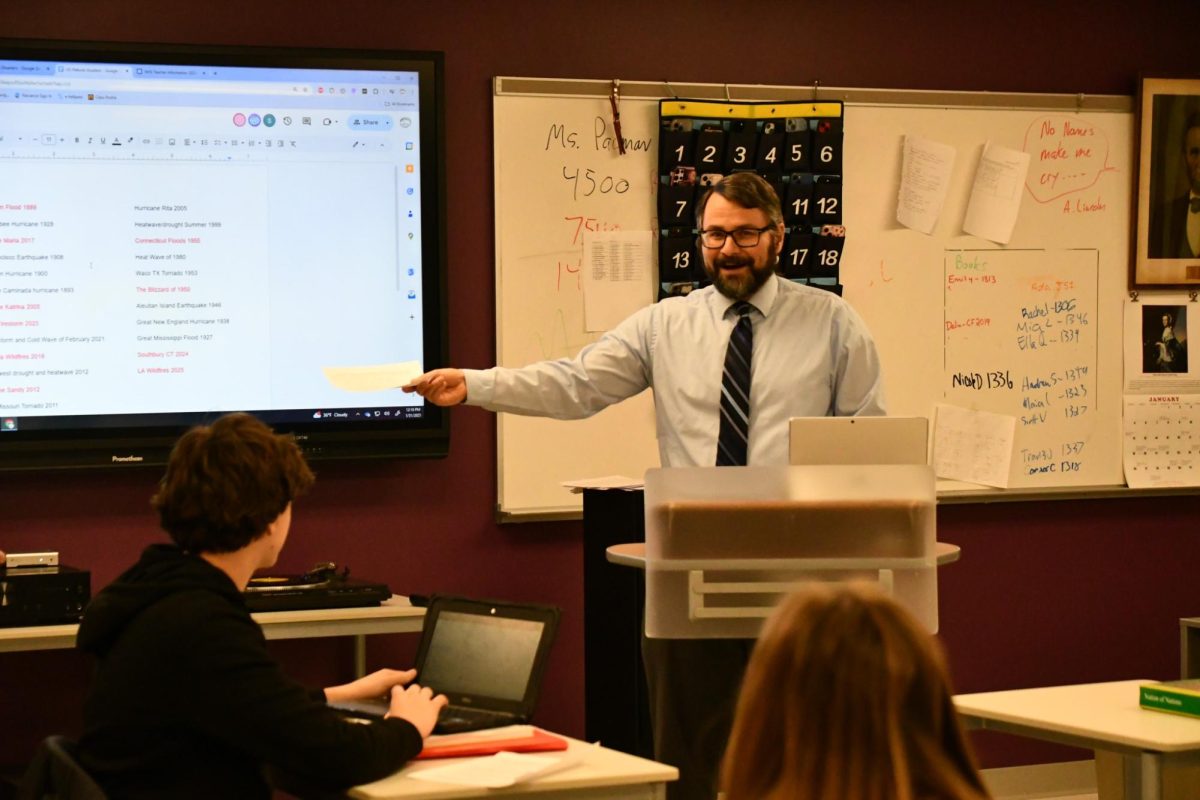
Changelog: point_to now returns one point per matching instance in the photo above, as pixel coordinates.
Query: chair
(54, 774)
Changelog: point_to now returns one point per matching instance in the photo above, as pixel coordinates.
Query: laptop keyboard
(457, 718)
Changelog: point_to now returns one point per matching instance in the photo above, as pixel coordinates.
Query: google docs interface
(181, 239)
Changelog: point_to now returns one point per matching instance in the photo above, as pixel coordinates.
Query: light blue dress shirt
(813, 356)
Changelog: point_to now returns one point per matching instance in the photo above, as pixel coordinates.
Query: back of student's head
(226, 482)
(846, 697)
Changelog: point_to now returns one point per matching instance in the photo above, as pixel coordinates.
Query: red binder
(467, 744)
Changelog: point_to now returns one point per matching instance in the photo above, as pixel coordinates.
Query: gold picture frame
(1166, 252)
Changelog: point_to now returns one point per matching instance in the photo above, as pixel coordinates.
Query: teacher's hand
(443, 387)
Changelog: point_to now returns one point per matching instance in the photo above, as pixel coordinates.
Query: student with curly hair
(186, 701)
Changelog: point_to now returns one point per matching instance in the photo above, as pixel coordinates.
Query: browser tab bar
(25, 68)
(93, 70)
(156, 71)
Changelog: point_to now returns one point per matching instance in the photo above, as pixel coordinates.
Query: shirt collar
(763, 299)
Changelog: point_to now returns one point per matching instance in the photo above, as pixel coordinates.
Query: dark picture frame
(1168, 175)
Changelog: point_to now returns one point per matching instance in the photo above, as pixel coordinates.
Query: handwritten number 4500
(590, 183)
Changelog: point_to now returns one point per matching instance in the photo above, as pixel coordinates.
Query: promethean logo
(127, 459)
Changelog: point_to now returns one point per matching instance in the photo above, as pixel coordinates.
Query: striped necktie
(735, 392)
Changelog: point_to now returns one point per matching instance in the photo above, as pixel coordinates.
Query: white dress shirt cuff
(481, 385)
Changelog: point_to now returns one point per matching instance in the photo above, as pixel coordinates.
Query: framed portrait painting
(1167, 243)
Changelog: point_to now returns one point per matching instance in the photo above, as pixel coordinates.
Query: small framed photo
(1167, 246)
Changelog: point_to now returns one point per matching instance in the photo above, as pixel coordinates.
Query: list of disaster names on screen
(116, 296)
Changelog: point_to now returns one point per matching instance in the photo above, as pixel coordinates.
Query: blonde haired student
(846, 697)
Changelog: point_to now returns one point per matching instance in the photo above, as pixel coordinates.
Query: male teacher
(729, 365)
(1175, 228)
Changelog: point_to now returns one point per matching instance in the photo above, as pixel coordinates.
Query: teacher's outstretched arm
(443, 387)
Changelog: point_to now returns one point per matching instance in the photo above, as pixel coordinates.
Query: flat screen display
(186, 232)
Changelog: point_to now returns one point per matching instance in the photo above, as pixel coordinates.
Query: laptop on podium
(487, 657)
(858, 440)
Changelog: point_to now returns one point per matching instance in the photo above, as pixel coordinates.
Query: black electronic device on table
(224, 169)
(487, 657)
(43, 595)
(321, 587)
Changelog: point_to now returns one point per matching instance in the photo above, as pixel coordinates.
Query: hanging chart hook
(614, 99)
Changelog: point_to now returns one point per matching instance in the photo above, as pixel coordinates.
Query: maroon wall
(1046, 593)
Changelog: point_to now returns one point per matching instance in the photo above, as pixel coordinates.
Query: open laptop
(858, 440)
(487, 657)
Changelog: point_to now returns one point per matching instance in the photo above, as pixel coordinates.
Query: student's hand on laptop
(377, 684)
(418, 705)
(443, 387)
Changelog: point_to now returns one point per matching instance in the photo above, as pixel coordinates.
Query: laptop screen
(484, 656)
(857, 440)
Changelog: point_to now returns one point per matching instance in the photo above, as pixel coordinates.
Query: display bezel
(146, 439)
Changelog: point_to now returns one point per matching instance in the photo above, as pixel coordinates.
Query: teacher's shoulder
(812, 294)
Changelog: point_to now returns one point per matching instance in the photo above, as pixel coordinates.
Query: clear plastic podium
(724, 545)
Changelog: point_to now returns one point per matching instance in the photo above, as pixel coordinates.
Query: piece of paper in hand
(373, 378)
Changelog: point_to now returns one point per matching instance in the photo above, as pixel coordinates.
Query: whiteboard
(558, 176)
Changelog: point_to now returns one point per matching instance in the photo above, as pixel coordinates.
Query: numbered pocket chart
(796, 147)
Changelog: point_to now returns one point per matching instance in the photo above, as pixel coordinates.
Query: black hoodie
(187, 702)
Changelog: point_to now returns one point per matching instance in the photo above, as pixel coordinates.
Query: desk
(633, 554)
(604, 775)
(1100, 716)
(394, 615)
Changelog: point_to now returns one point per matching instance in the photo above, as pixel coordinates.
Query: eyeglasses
(743, 237)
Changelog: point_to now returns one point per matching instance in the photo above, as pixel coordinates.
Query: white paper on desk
(996, 194)
(616, 277)
(500, 770)
(606, 482)
(1161, 440)
(373, 378)
(924, 181)
(974, 446)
